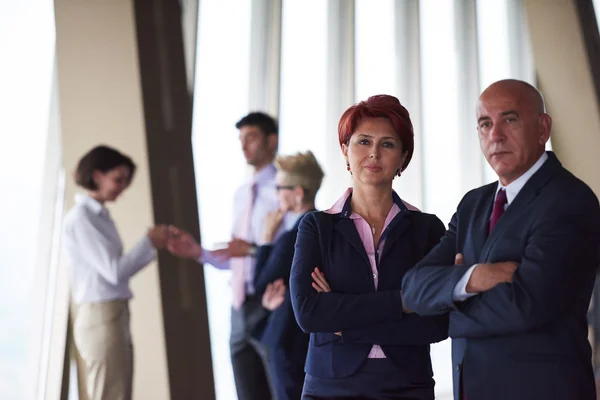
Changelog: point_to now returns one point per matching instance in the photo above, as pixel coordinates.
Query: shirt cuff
(460, 290)
(207, 257)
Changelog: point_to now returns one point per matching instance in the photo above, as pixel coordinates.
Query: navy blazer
(526, 339)
(274, 262)
(363, 315)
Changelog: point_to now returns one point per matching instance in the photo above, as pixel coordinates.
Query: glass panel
(492, 31)
(504, 49)
(303, 78)
(27, 48)
(221, 99)
(441, 139)
(375, 51)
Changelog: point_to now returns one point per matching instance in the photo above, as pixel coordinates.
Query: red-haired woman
(349, 264)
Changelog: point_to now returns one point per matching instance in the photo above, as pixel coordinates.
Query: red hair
(380, 106)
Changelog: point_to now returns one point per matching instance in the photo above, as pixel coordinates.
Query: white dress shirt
(99, 270)
(512, 190)
(266, 201)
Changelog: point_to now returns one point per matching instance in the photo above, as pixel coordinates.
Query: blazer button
(458, 367)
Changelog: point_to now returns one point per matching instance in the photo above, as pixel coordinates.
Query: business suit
(364, 315)
(286, 342)
(526, 339)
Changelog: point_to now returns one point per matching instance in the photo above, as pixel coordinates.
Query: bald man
(516, 266)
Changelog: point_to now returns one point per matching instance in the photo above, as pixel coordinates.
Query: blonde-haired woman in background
(298, 180)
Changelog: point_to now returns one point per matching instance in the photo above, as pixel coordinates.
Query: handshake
(178, 242)
(181, 244)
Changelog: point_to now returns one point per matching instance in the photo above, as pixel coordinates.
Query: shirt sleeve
(103, 254)
(208, 257)
(460, 290)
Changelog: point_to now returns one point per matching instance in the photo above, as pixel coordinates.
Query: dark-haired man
(253, 201)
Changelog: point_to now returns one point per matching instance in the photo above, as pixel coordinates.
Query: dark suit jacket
(526, 339)
(274, 262)
(363, 315)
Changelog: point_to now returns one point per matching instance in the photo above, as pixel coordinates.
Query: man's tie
(240, 266)
(498, 210)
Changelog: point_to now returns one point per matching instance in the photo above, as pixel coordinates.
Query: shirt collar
(265, 175)
(513, 188)
(291, 218)
(342, 205)
(92, 204)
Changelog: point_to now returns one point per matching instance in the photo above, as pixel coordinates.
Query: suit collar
(513, 189)
(342, 206)
(526, 195)
(345, 225)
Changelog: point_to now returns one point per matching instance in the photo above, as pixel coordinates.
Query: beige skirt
(103, 340)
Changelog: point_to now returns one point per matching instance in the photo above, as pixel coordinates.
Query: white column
(340, 93)
(408, 65)
(472, 162)
(265, 56)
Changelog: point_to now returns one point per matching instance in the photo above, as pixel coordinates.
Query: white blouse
(99, 269)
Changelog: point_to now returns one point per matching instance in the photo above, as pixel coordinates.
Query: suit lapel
(395, 231)
(481, 220)
(346, 228)
(526, 195)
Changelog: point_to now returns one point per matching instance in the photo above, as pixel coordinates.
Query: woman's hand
(159, 235)
(271, 225)
(320, 285)
(319, 282)
(274, 295)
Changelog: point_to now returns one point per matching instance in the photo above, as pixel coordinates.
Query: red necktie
(240, 266)
(498, 208)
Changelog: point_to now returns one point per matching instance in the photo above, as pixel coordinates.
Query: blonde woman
(298, 180)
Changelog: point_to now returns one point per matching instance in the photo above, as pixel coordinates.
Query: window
(27, 44)
(441, 139)
(221, 99)
(375, 49)
(303, 79)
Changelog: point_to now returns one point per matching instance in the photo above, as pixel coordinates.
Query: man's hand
(182, 244)
(238, 248)
(486, 276)
(274, 295)
(235, 248)
(459, 259)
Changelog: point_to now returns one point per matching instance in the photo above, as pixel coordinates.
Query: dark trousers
(286, 366)
(248, 356)
(377, 379)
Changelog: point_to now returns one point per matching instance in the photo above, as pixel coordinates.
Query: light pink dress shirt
(366, 236)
